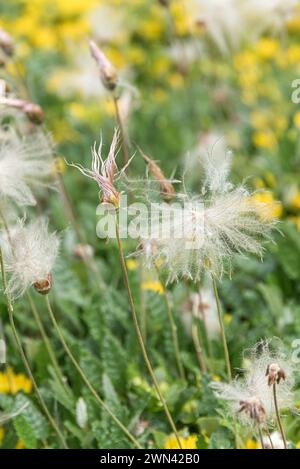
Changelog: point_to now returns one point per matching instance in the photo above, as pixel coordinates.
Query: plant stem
(23, 356)
(122, 131)
(47, 343)
(269, 436)
(278, 417)
(173, 328)
(140, 337)
(260, 437)
(207, 339)
(220, 316)
(84, 377)
(197, 344)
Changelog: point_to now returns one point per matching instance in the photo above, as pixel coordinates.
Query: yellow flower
(152, 285)
(216, 378)
(270, 179)
(12, 383)
(267, 48)
(267, 207)
(297, 119)
(20, 444)
(295, 200)
(1, 435)
(295, 220)
(59, 166)
(264, 139)
(176, 80)
(227, 318)
(189, 442)
(298, 445)
(132, 264)
(252, 444)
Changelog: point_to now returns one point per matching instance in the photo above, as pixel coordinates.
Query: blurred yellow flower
(176, 80)
(264, 139)
(132, 264)
(216, 378)
(267, 206)
(12, 383)
(59, 165)
(189, 442)
(20, 444)
(267, 48)
(295, 220)
(297, 119)
(227, 318)
(295, 200)
(252, 444)
(1, 435)
(152, 285)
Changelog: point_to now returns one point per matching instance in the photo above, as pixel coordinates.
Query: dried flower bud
(43, 286)
(108, 73)
(275, 374)
(83, 251)
(164, 3)
(166, 188)
(254, 408)
(34, 113)
(6, 43)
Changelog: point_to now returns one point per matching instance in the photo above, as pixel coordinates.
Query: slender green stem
(269, 436)
(197, 343)
(122, 131)
(206, 338)
(260, 436)
(84, 377)
(173, 327)
(140, 337)
(220, 316)
(280, 426)
(47, 343)
(23, 356)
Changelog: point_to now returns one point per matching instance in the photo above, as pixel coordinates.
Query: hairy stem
(260, 436)
(173, 327)
(280, 426)
(223, 335)
(47, 342)
(197, 343)
(24, 359)
(140, 338)
(84, 377)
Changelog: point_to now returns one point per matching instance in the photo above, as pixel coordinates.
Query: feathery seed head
(105, 172)
(108, 73)
(24, 162)
(207, 231)
(253, 386)
(29, 256)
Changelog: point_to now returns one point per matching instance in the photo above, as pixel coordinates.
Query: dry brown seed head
(166, 187)
(43, 286)
(275, 374)
(254, 408)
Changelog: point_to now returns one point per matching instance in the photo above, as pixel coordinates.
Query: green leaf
(25, 432)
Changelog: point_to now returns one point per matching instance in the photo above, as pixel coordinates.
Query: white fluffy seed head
(205, 232)
(29, 256)
(254, 384)
(24, 162)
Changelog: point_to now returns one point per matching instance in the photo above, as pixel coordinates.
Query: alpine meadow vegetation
(149, 224)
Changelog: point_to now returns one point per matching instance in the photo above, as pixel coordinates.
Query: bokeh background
(194, 76)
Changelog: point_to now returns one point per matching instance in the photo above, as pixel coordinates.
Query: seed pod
(43, 286)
